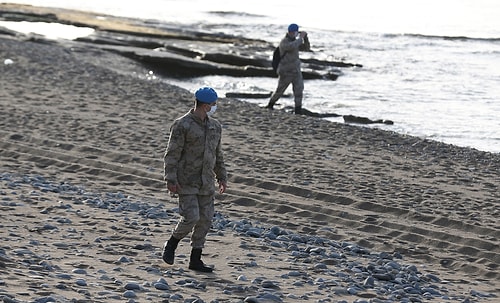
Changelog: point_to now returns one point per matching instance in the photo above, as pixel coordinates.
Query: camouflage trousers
(297, 86)
(196, 212)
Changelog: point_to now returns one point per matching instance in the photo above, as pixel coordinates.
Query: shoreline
(166, 49)
(83, 117)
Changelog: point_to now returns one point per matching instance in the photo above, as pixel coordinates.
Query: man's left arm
(220, 169)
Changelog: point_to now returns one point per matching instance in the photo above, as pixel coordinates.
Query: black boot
(195, 262)
(169, 250)
(298, 110)
(270, 105)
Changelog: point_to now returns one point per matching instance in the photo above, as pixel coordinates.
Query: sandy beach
(315, 211)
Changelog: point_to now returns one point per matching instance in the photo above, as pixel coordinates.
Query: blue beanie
(293, 27)
(206, 95)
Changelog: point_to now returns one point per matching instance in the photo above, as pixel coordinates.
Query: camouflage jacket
(193, 158)
(289, 50)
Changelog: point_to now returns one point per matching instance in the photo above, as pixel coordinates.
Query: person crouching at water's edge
(289, 70)
(193, 163)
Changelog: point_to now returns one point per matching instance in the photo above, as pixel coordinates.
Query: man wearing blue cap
(193, 163)
(289, 70)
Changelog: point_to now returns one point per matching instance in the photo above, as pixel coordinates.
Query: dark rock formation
(248, 95)
(363, 120)
(170, 49)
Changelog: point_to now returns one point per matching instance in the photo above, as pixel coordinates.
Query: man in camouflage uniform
(289, 70)
(193, 162)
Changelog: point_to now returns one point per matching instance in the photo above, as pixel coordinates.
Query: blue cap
(293, 27)
(206, 95)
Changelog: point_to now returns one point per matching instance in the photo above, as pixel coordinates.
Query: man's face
(208, 106)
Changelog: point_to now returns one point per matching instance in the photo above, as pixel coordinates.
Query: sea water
(432, 67)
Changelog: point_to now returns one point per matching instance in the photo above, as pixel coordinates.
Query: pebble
(129, 294)
(79, 271)
(124, 259)
(270, 284)
(369, 282)
(161, 286)
(333, 267)
(251, 300)
(64, 276)
(132, 286)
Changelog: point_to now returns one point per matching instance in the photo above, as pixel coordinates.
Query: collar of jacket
(198, 119)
